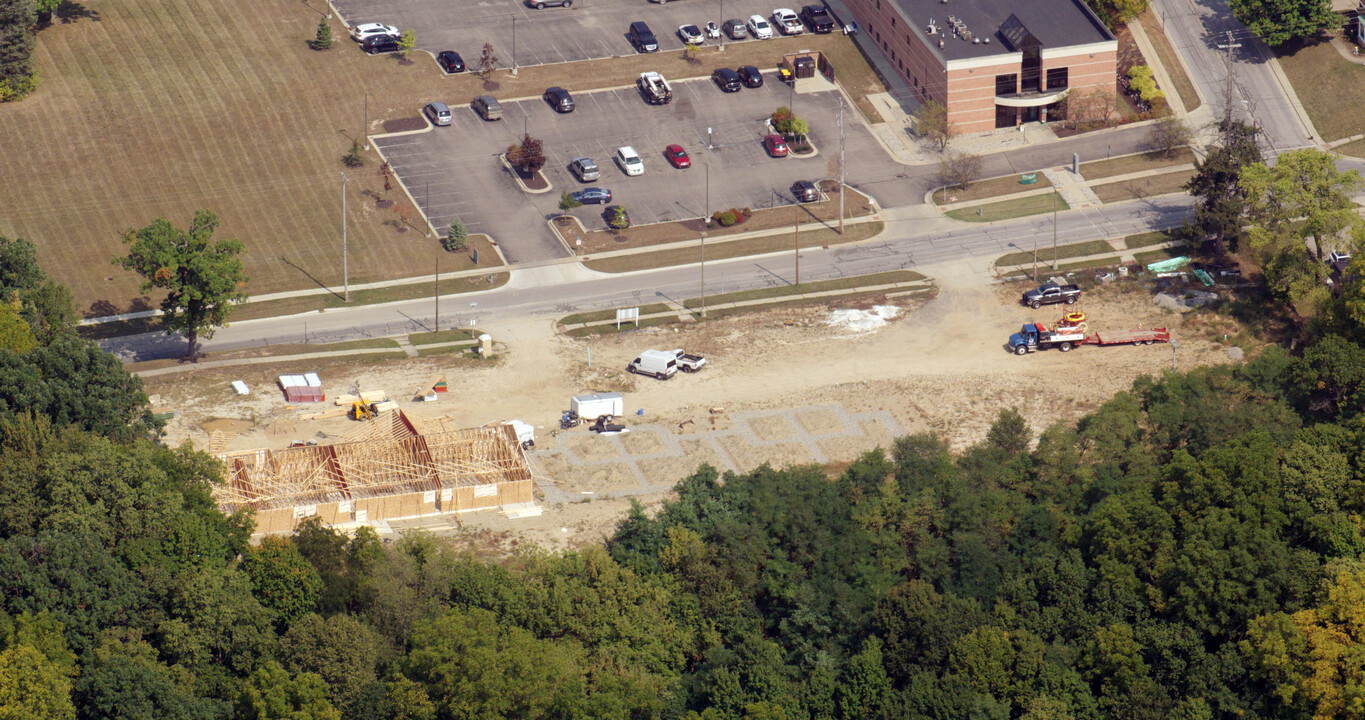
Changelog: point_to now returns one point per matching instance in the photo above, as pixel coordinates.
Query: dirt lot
(939, 368)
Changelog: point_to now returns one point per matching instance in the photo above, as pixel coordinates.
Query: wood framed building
(993, 63)
(392, 468)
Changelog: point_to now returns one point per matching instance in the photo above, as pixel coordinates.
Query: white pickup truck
(689, 363)
(655, 88)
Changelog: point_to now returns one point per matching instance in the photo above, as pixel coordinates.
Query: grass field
(982, 189)
(1324, 80)
(1138, 188)
(1009, 209)
(1100, 169)
(185, 105)
(154, 108)
(737, 248)
(1045, 255)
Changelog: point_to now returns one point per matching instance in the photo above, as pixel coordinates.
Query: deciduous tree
(282, 579)
(932, 123)
(1168, 135)
(1280, 21)
(488, 62)
(202, 279)
(271, 694)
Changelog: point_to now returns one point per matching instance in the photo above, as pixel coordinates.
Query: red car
(677, 156)
(774, 145)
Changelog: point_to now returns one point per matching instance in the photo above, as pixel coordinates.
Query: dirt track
(938, 368)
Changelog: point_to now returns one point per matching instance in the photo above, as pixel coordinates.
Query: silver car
(438, 113)
(584, 169)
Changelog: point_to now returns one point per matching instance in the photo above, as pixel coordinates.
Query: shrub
(782, 119)
(456, 236)
(1140, 80)
(619, 219)
(726, 218)
(18, 86)
(568, 202)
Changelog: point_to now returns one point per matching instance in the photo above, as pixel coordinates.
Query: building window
(916, 82)
(1056, 78)
(893, 55)
(893, 22)
(1006, 84)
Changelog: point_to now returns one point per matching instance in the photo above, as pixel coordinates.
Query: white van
(660, 364)
(630, 161)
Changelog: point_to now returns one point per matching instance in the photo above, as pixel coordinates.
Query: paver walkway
(849, 427)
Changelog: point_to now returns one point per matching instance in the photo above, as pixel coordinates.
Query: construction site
(393, 467)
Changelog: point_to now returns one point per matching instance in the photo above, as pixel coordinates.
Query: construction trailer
(395, 467)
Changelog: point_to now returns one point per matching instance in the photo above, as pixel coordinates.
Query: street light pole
(796, 239)
(841, 165)
(1174, 345)
(703, 272)
(1054, 228)
(514, 46)
(365, 131)
(345, 266)
(721, 23)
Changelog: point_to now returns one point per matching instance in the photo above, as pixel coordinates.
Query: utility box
(804, 66)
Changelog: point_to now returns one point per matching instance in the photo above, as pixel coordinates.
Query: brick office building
(993, 63)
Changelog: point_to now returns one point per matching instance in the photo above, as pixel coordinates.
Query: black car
(817, 18)
(726, 79)
(751, 76)
(450, 61)
(376, 44)
(642, 38)
(542, 4)
(805, 191)
(559, 99)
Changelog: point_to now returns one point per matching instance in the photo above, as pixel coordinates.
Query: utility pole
(703, 272)
(345, 267)
(436, 293)
(841, 165)
(1054, 228)
(796, 239)
(1228, 47)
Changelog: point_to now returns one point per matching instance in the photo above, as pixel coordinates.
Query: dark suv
(376, 44)
(817, 18)
(641, 37)
(751, 76)
(559, 99)
(726, 79)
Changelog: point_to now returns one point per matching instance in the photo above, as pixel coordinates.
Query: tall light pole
(841, 165)
(1054, 227)
(514, 46)
(796, 238)
(345, 266)
(703, 271)
(721, 23)
(365, 131)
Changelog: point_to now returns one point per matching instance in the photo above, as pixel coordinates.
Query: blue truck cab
(1026, 338)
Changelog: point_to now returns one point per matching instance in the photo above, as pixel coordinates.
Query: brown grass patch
(1324, 80)
(737, 248)
(1139, 188)
(1170, 60)
(1142, 162)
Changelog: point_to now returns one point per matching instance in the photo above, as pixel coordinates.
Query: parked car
(726, 79)
(542, 4)
(751, 76)
(818, 19)
(805, 191)
(559, 99)
(677, 156)
(487, 107)
(691, 35)
(775, 146)
(376, 44)
(787, 21)
(438, 112)
(593, 196)
(450, 61)
(759, 28)
(630, 161)
(365, 30)
(643, 38)
(584, 169)
(735, 28)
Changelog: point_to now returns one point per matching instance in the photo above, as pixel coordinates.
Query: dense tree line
(1191, 550)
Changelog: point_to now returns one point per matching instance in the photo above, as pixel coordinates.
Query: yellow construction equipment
(363, 410)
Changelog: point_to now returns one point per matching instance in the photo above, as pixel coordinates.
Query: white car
(365, 30)
(691, 35)
(788, 21)
(630, 161)
(759, 28)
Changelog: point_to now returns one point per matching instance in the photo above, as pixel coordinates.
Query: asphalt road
(1197, 28)
(904, 248)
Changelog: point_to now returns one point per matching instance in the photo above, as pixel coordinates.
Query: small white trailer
(591, 407)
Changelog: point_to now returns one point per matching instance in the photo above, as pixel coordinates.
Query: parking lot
(588, 30)
(454, 171)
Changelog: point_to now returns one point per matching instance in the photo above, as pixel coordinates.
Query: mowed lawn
(1330, 87)
(158, 107)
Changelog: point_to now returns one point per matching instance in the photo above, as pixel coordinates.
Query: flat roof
(1053, 23)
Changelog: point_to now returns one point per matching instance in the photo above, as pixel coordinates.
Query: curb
(548, 185)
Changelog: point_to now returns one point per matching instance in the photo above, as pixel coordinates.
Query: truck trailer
(1036, 336)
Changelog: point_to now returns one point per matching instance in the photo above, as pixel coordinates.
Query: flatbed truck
(1033, 337)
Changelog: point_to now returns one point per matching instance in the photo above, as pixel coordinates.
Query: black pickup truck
(1051, 294)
